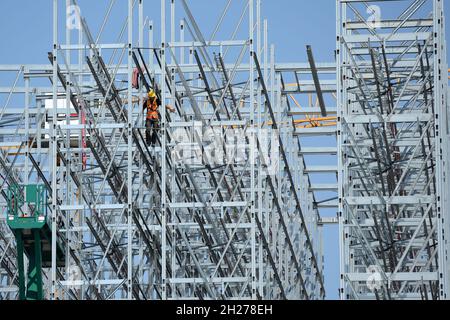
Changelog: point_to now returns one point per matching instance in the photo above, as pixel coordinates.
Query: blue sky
(26, 26)
(26, 33)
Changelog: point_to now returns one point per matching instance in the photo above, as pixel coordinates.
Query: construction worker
(152, 121)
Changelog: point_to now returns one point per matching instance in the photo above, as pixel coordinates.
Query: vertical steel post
(130, 153)
(441, 129)
(163, 153)
(182, 32)
(151, 45)
(339, 58)
(269, 211)
(69, 153)
(261, 152)
(53, 148)
(27, 126)
(252, 147)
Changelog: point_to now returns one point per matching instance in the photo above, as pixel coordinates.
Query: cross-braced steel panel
(392, 150)
(213, 211)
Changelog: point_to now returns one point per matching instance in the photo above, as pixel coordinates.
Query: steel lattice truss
(165, 222)
(231, 202)
(393, 150)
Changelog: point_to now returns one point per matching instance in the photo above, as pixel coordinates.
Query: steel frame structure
(152, 223)
(393, 150)
(199, 217)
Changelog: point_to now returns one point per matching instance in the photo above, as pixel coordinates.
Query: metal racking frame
(229, 204)
(392, 150)
(151, 223)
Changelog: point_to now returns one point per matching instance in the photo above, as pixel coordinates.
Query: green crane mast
(27, 218)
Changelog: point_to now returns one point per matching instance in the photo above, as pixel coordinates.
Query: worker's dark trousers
(151, 132)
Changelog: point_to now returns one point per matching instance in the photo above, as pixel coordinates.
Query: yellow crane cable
(314, 122)
(298, 105)
(330, 124)
(316, 119)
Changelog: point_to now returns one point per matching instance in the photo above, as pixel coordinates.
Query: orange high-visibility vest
(152, 110)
